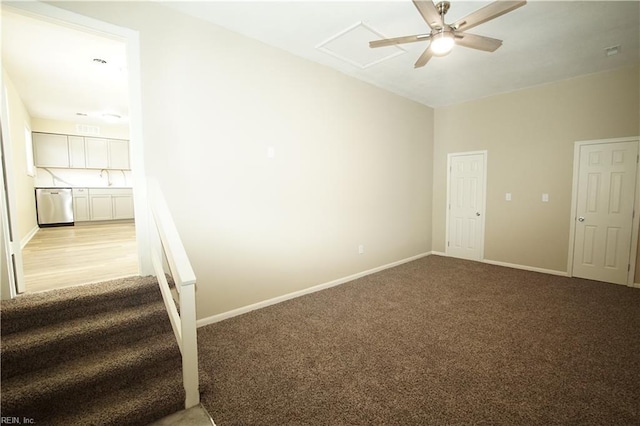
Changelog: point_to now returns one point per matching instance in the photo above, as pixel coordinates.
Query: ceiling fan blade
(424, 58)
(399, 40)
(429, 13)
(490, 11)
(474, 41)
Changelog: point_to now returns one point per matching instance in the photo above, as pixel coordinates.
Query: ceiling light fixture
(111, 118)
(442, 43)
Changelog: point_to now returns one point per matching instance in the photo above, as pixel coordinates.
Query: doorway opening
(94, 242)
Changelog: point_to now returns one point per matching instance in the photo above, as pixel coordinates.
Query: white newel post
(189, 345)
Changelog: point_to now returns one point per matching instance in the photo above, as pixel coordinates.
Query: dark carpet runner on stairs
(98, 354)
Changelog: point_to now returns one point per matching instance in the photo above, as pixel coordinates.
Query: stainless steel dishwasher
(54, 206)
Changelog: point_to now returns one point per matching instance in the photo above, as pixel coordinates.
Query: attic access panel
(352, 46)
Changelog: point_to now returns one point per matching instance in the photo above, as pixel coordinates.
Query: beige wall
(68, 128)
(530, 137)
(23, 183)
(352, 165)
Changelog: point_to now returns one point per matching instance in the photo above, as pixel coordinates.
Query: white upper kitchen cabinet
(77, 153)
(106, 153)
(97, 153)
(51, 150)
(119, 154)
(80, 152)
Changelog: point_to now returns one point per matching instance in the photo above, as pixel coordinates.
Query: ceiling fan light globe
(442, 44)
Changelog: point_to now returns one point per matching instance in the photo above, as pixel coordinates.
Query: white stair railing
(168, 242)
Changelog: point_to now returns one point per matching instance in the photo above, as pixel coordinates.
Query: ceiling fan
(443, 36)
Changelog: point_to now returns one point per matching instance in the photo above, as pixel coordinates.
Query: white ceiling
(53, 68)
(544, 41)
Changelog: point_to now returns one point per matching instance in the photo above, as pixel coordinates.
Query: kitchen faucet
(109, 183)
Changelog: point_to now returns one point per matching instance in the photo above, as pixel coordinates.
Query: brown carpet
(432, 342)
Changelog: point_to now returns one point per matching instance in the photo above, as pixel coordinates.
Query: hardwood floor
(71, 255)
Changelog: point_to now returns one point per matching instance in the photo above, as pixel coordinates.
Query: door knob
(477, 213)
(581, 219)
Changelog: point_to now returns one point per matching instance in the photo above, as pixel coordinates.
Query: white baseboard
(541, 270)
(515, 266)
(235, 312)
(29, 236)
(527, 268)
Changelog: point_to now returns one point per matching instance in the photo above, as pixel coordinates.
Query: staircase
(97, 354)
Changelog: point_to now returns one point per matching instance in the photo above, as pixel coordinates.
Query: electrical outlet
(361, 249)
(271, 152)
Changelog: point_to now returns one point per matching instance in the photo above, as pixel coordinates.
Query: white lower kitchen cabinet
(122, 206)
(93, 204)
(101, 206)
(81, 205)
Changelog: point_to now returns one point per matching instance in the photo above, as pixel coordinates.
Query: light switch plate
(545, 198)
(507, 196)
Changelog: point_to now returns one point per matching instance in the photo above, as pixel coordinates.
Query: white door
(604, 211)
(466, 203)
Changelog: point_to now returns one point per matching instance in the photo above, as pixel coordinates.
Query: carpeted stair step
(35, 393)
(154, 395)
(95, 354)
(44, 308)
(65, 341)
(149, 398)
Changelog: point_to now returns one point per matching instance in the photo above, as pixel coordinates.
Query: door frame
(450, 156)
(131, 37)
(12, 272)
(635, 225)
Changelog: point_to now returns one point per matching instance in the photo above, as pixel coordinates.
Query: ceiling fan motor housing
(443, 8)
